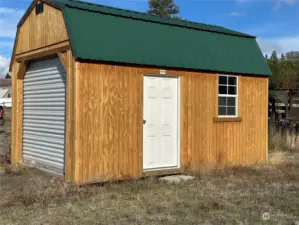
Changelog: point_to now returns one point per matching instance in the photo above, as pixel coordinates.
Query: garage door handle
(144, 121)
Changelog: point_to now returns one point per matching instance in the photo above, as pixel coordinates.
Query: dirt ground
(248, 195)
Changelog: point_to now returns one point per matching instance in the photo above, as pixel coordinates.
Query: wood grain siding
(109, 127)
(69, 64)
(16, 154)
(246, 142)
(41, 30)
(109, 122)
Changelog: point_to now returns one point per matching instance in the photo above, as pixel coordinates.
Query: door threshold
(159, 172)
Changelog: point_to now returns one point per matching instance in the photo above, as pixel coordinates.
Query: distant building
(5, 92)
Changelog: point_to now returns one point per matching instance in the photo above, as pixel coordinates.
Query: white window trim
(227, 95)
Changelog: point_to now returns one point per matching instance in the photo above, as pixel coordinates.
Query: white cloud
(6, 44)
(4, 66)
(9, 18)
(236, 14)
(279, 44)
(279, 3)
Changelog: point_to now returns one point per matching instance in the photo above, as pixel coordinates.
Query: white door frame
(178, 121)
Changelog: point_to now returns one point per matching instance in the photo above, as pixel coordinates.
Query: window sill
(227, 119)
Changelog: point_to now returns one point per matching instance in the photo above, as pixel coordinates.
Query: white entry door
(161, 123)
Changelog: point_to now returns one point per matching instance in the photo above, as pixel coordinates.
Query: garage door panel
(45, 135)
(46, 122)
(54, 166)
(51, 118)
(40, 97)
(44, 114)
(45, 76)
(44, 108)
(33, 150)
(44, 125)
(44, 130)
(48, 103)
(60, 86)
(37, 92)
(43, 141)
(45, 65)
(43, 82)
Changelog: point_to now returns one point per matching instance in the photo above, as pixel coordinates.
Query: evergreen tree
(163, 8)
(285, 70)
(274, 57)
(266, 57)
(275, 67)
(7, 76)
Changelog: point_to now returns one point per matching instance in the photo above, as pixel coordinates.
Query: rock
(176, 179)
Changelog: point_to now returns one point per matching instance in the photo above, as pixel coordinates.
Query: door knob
(144, 121)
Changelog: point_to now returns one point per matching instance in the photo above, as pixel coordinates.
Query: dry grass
(233, 196)
(237, 195)
(279, 141)
(283, 148)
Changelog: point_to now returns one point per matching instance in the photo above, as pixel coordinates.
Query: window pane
(231, 101)
(223, 90)
(222, 101)
(221, 111)
(231, 111)
(232, 90)
(222, 80)
(232, 80)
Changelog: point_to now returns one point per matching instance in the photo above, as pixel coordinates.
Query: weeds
(56, 192)
(282, 141)
(14, 170)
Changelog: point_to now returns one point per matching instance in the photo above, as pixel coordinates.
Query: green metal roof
(115, 35)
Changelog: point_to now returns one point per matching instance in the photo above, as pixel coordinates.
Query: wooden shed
(101, 93)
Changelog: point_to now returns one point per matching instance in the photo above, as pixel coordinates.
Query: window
(227, 96)
(39, 8)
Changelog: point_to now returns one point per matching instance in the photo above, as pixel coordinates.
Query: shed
(101, 93)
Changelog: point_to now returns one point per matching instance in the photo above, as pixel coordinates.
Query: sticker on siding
(162, 71)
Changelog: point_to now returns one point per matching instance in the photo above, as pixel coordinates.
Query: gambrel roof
(101, 33)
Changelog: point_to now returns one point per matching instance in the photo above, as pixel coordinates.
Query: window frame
(236, 96)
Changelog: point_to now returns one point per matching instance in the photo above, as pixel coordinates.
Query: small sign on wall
(162, 71)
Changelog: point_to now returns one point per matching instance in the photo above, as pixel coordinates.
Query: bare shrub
(282, 141)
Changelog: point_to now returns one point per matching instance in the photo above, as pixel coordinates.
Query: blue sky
(274, 22)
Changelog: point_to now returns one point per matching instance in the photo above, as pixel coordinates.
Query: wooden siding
(109, 128)
(17, 97)
(109, 122)
(41, 30)
(69, 64)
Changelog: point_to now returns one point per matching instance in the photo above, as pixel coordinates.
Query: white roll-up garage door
(44, 115)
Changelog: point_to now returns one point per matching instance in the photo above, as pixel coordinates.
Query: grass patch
(237, 195)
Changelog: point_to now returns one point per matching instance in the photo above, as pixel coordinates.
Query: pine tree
(163, 8)
(274, 57)
(7, 76)
(274, 65)
(266, 57)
